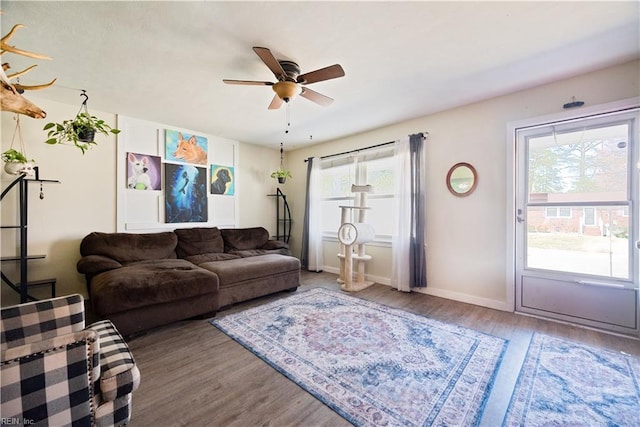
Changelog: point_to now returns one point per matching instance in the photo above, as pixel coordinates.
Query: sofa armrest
(37, 376)
(94, 264)
(276, 247)
(274, 244)
(119, 374)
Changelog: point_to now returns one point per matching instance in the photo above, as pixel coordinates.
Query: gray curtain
(304, 256)
(417, 251)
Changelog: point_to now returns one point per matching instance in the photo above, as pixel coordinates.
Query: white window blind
(374, 167)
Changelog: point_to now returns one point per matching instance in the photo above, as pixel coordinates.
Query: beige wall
(466, 237)
(255, 166)
(85, 200)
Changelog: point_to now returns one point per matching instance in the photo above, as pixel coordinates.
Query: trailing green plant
(78, 131)
(13, 155)
(281, 173)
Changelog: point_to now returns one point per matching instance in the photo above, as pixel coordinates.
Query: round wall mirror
(462, 179)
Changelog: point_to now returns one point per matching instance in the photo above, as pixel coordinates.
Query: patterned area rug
(372, 364)
(568, 384)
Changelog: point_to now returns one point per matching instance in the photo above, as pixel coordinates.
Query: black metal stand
(283, 217)
(22, 287)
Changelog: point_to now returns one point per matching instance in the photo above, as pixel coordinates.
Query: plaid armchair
(57, 372)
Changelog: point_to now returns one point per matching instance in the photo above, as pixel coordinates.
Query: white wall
(466, 237)
(144, 211)
(85, 200)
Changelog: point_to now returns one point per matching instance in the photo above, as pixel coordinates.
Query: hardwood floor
(195, 375)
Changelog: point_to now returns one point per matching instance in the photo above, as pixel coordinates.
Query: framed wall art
(185, 148)
(144, 171)
(185, 193)
(222, 180)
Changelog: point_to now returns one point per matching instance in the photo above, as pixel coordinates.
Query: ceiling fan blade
(316, 97)
(276, 103)
(270, 61)
(327, 73)
(246, 82)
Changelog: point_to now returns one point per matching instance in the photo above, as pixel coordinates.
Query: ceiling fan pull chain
(288, 107)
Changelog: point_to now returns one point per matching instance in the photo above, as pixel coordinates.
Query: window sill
(379, 241)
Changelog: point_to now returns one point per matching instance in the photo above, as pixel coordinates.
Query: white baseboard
(466, 298)
(377, 279)
(456, 296)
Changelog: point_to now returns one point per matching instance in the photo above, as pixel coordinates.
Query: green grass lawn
(577, 242)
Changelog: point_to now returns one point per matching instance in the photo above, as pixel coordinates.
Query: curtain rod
(425, 134)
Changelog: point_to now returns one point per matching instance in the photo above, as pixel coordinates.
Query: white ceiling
(165, 61)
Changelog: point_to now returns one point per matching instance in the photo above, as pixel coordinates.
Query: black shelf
(18, 258)
(18, 287)
(283, 215)
(23, 285)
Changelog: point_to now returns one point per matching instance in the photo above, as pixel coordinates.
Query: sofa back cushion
(244, 238)
(130, 247)
(198, 241)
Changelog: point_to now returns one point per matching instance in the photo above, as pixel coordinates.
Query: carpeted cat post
(352, 237)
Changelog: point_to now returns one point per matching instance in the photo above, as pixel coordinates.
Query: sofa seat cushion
(243, 269)
(257, 252)
(199, 259)
(144, 283)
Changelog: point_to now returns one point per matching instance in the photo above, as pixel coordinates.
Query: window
(555, 212)
(373, 167)
(584, 169)
(589, 216)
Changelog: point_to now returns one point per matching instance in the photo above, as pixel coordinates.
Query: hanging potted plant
(281, 175)
(79, 131)
(15, 162)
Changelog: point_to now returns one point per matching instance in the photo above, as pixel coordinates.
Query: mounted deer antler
(11, 97)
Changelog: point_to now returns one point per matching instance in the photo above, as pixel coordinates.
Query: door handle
(605, 285)
(519, 217)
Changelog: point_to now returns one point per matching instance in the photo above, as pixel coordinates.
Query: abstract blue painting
(185, 193)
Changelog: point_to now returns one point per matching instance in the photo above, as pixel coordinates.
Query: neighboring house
(590, 221)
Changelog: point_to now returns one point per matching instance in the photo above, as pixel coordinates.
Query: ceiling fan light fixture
(287, 90)
(290, 81)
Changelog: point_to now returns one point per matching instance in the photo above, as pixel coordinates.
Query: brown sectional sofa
(140, 281)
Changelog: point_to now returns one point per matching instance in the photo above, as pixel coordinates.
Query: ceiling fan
(290, 82)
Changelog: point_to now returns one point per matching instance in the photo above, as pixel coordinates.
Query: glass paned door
(592, 240)
(577, 221)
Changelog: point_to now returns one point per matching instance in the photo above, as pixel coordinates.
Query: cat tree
(352, 237)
